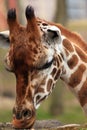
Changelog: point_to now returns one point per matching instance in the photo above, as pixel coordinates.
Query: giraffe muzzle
(23, 119)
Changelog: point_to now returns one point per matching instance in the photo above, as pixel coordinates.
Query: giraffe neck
(74, 68)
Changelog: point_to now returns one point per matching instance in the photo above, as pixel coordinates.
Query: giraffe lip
(23, 124)
(46, 65)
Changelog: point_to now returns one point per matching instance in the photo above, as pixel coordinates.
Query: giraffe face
(32, 50)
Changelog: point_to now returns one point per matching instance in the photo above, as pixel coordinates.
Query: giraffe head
(30, 57)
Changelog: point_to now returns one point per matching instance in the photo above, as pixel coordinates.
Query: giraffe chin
(23, 124)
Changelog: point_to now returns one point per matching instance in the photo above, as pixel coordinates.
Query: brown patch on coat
(53, 72)
(49, 84)
(57, 74)
(68, 45)
(82, 94)
(39, 90)
(72, 61)
(58, 60)
(81, 54)
(76, 77)
(43, 81)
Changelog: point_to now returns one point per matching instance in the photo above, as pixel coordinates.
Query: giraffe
(30, 53)
(62, 55)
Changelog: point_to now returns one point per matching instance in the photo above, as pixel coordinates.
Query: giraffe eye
(46, 65)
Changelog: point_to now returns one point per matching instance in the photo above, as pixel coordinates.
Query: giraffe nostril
(26, 113)
(19, 116)
(22, 114)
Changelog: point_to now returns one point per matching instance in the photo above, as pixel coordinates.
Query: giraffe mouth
(46, 65)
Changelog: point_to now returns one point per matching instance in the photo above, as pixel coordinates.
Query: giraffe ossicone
(39, 54)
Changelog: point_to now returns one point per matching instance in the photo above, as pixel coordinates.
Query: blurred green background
(61, 104)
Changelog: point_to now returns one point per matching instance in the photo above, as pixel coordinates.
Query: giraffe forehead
(23, 37)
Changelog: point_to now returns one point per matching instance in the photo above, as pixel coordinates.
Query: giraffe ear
(4, 39)
(53, 32)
